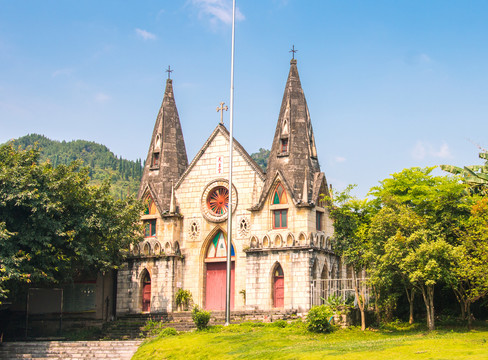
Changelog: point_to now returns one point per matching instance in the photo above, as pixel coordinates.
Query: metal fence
(343, 288)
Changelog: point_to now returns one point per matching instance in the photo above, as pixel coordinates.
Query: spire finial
(293, 51)
(169, 71)
(221, 109)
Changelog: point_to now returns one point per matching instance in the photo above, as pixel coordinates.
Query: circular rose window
(218, 200)
(215, 200)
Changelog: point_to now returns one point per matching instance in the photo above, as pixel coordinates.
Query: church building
(281, 226)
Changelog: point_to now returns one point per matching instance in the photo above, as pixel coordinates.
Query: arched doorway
(216, 273)
(278, 287)
(146, 292)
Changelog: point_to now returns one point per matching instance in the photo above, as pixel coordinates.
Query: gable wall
(189, 199)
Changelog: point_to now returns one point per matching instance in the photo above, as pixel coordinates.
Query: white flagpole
(231, 146)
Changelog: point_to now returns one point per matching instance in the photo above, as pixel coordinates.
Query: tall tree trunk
(411, 298)
(470, 318)
(428, 295)
(461, 301)
(431, 301)
(360, 301)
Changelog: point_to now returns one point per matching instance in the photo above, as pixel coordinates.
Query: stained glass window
(279, 195)
(218, 200)
(218, 247)
(149, 206)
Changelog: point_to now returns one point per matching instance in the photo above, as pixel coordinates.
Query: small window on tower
(284, 145)
(318, 219)
(155, 159)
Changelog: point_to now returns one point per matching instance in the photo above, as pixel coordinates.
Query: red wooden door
(215, 286)
(279, 291)
(146, 295)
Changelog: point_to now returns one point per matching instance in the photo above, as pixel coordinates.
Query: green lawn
(248, 341)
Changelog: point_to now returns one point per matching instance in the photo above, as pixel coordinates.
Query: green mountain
(125, 175)
(261, 158)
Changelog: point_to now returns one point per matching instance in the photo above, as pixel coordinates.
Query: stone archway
(216, 272)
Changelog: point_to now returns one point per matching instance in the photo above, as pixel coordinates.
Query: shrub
(152, 327)
(183, 298)
(318, 319)
(200, 317)
(168, 332)
(279, 323)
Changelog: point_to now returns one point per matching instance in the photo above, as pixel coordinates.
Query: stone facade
(281, 226)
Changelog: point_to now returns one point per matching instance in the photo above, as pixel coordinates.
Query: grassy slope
(247, 342)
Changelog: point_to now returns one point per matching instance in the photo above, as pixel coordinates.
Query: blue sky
(389, 84)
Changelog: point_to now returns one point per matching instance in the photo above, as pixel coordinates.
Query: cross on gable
(221, 109)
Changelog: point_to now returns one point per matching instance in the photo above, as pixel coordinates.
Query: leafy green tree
(389, 232)
(351, 222)
(54, 224)
(476, 176)
(471, 270)
(425, 256)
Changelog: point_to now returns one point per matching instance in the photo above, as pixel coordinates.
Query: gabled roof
(168, 144)
(221, 129)
(278, 176)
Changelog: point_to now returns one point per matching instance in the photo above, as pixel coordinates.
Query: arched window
(149, 206)
(279, 196)
(218, 247)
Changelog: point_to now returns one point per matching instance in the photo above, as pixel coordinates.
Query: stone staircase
(130, 326)
(67, 350)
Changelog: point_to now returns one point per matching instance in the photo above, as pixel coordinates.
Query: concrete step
(69, 350)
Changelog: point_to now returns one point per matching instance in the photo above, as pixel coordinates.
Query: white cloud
(421, 150)
(443, 152)
(217, 10)
(102, 97)
(146, 35)
(339, 159)
(418, 152)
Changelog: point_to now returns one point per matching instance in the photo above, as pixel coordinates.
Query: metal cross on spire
(293, 51)
(221, 109)
(169, 71)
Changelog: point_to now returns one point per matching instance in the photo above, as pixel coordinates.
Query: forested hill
(124, 174)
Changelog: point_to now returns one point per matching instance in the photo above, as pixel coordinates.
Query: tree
(471, 270)
(476, 176)
(426, 256)
(389, 232)
(55, 225)
(351, 220)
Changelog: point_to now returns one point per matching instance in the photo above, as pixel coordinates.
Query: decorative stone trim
(194, 229)
(244, 226)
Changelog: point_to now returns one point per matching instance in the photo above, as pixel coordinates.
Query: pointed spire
(166, 159)
(293, 151)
